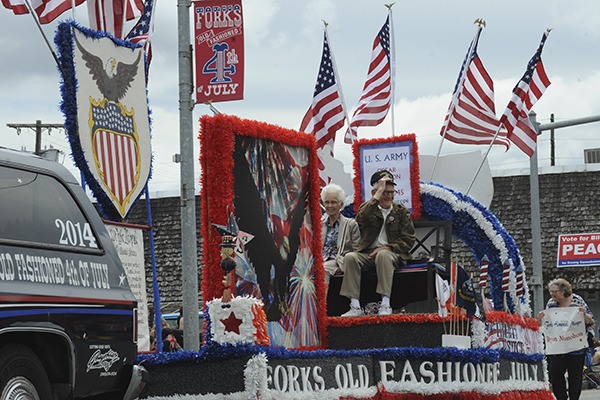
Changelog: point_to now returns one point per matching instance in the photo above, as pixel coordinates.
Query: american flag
(108, 15)
(326, 114)
(133, 9)
(143, 29)
(526, 93)
(471, 116)
(46, 10)
(376, 96)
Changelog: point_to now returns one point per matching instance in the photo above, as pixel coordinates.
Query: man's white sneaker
(354, 312)
(385, 310)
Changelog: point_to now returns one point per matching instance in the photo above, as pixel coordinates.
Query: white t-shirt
(382, 239)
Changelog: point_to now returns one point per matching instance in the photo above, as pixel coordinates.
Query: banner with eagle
(106, 112)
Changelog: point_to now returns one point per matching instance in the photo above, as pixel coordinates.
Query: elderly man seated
(387, 235)
(340, 234)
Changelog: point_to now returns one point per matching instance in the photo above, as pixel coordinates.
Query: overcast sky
(283, 43)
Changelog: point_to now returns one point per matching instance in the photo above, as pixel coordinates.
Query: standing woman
(562, 295)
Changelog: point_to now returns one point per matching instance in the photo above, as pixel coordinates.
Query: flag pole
(100, 19)
(484, 158)
(37, 22)
(393, 66)
(455, 318)
(480, 25)
(336, 76)
(212, 108)
(124, 19)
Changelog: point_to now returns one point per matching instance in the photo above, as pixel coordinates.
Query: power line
(37, 127)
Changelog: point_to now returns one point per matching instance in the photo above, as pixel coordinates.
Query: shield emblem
(116, 151)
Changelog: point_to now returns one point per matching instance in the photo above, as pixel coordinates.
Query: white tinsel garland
(477, 333)
(255, 374)
(459, 387)
(241, 306)
(491, 232)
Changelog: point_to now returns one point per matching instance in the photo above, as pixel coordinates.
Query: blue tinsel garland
(220, 352)
(465, 227)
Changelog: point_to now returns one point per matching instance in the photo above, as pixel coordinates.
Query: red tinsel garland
(414, 170)
(260, 322)
(512, 395)
(515, 319)
(394, 318)
(216, 136)
(376, 397)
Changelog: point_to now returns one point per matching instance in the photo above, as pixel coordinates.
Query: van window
(38, 208)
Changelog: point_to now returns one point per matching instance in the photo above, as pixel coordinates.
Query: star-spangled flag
(326, 114)
(46, 10)
(143, 29)
(109, 15)
(471, 116)
(526, 93)
(376, 96)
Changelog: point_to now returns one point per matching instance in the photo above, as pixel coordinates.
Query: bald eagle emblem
(113, 78)
(114, 139)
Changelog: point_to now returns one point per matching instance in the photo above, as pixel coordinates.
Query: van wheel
(22, 375)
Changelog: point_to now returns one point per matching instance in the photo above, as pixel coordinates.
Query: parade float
(272, 329)
(267, 332)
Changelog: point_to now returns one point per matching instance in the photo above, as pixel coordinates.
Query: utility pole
(552, 155)
(189, 257)
(536, 278)
(37, 127)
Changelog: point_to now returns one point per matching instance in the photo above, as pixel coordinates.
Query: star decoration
(241, 238)
(232, 323)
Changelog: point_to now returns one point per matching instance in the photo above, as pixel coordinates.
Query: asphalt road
(590, 394)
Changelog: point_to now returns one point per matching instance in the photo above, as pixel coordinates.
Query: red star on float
(232, 323)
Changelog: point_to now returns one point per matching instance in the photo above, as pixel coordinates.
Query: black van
(68, 320)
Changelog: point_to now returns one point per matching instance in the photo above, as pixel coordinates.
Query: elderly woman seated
(340, 234)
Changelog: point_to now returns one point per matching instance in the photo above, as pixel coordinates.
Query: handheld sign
(564, 330)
